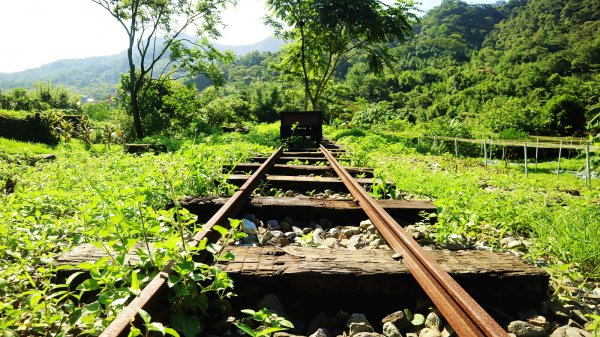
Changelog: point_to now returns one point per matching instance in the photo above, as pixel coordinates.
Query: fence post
(588, 173)
(559, 154)
(456, 147)
(485, 152)
(537, 146)
(491, 149)
(525, 152)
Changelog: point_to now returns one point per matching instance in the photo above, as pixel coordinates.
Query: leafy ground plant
(268, 323)
(103, 197)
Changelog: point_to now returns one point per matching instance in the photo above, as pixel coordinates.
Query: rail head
(122, 323)
(461, 311)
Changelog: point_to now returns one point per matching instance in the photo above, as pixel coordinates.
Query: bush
(375, 113)
(29, 127)
(512, 134)
(564, 116)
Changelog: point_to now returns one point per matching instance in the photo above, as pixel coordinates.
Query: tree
(325, 33)
(156, 29)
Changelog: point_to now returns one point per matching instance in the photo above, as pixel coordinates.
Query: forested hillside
(98, 76)
(512, 68)
(517, 67)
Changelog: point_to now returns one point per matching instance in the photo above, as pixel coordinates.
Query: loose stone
(390, 330)
(355, 242)
(285, 226)
(357, 318)
(427, 332)
(273, 225)
(397, 318)
(249, 227)
(432, 321)
(567, 331)
(321, 333)
(289, 194)
(358, 327)
(448, 331)
(251, 217)
(540, 321)
(249, 240)
(364, 225)
(330, 242)
(350, 231)
(291, 236)
(524, 329)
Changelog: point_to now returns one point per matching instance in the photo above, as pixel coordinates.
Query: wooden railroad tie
(357, 278)
(340, 212)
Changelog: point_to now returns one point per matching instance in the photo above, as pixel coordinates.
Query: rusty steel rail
(120, 326)
(461, 311)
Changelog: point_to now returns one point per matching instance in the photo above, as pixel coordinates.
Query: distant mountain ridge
(98, 76)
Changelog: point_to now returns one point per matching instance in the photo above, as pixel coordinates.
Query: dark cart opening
(305, 124)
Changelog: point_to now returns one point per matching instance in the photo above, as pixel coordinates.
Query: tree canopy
(325, 33)
(156, 29)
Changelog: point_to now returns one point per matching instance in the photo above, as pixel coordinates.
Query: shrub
(564, 116)
(375, 113)
(30, 127)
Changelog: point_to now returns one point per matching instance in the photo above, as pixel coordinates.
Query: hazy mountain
(97, 76)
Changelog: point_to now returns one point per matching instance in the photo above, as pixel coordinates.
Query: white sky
(37, 32)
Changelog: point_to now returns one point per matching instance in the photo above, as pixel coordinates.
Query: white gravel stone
(390, 330)
(524, 329)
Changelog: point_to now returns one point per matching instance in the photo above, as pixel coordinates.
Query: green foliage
(117, 203)
(447, 128)
(565, 115)
(155, 30)
(376, 113)
(225, 110)
(489, 203)
(269, 323)
(100, 111)
(43, 97)
(327, 33)
(29, 127)
(166, 106)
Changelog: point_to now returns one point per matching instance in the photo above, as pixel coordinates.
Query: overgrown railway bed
(330, 271)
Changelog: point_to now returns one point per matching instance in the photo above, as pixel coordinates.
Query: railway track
(307, 170)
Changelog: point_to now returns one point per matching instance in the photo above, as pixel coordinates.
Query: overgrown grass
(12, 147)
(101, 195)
(560, 214)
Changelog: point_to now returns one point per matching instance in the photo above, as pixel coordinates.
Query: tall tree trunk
(134, 91)
(135, 111)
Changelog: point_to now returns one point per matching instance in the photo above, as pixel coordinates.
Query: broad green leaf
(213, 248)
(144, 315)
(135, 284)
(155, 326)
(286, 323)
(245, 329)
(221, 230)
(134, 332)
(268, 331)
(189, 325)
(418, 319)
(72, 277)
(89, 285)
(173, 280)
